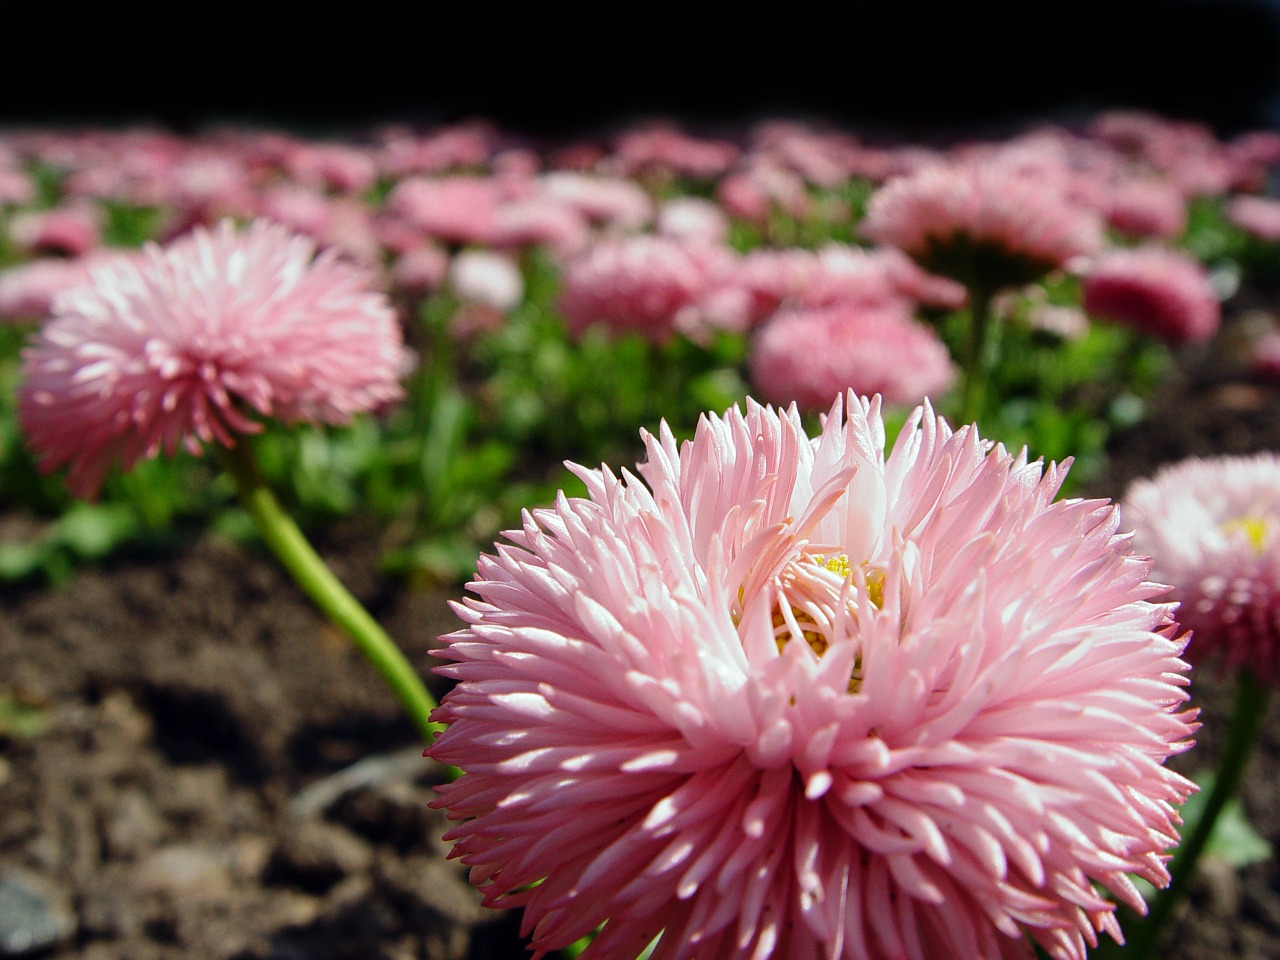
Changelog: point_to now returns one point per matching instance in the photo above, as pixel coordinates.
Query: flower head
(782, 697)
(986, 224)
(1213, 529)
(1161, 292)
(812, 356)
(184, 343)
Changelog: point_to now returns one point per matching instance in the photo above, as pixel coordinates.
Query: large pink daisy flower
(182, 344)
(788, 698)
(1213, 529)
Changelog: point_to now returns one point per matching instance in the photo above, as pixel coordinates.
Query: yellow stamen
(1254, 528)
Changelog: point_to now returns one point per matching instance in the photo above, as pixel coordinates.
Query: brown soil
(214, 774)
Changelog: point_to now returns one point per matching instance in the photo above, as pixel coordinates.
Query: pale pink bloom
(834, 275)
(692, 217)
(16, 187)
(185, 343)
(421, 270)
(338, 222)
(1253, 155)
(844, 264)
(539, 221)
(1212, 526)
(461, 209)
(812, 356)
(486, 277)
(404, 153)
(983, 224)
(1146, 207)
(331, 166)
(516, 163)
(1259, 216)
(606, 201)
(762, 189)
(666, 150)
(784, 698)
(71, 229)
(1161, 292)
(642, 284)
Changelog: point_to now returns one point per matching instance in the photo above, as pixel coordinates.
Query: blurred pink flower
(667, 151)
(607, 201)
(813, 356)
(781, 698)
(692, 217)
(1146, 207)
(639, 284)
(483, 276)
(1212, 527)
(460, 209)
(185, 343)
(71, 229)
(27, 290)
(421, 270)
(1259, 216)
(987, 224)
(1161, 292)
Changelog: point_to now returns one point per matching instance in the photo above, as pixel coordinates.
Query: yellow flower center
(813, 600)
(1254, 528)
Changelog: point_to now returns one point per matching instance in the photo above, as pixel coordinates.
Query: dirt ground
(206, 770)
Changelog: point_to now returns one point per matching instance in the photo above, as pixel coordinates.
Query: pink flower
(1212, 527)
(641, 284)
(783, 697)
(985, 224)
(603, 200)
(1160, 292)
(420, 270)
(184, 344)
(73, 229)
(693, 217)
(485, 277)
(1259, 216)
(453, 209)
(1146, 208)
(27, 290)
(812, 356)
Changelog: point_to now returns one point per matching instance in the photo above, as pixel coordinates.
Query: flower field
(941, 696)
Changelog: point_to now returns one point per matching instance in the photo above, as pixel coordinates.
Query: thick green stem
(317, 581)
(1252, 698)
(975, 366)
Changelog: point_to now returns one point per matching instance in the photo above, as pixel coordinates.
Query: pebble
(34, 913)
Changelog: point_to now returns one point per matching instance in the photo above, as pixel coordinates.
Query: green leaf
(1233, 838)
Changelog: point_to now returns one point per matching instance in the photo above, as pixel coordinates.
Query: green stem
(317, 581)
(975, 366)
(1250, 710)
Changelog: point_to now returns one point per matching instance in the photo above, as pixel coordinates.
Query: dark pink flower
(1161, 292)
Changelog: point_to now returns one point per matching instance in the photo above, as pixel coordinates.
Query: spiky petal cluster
(1213, 529)
(812, 356)
(982, 224)
(788, 698)
(182, 344)
(1161, 292)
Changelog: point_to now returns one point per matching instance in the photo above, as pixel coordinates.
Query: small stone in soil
(34, 914)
